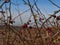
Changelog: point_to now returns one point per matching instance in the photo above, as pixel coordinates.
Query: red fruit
(30, 27)
(58, 17)
(24, 26)
(49, 29)
(58, 43)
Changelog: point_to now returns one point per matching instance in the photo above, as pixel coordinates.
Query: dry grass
(12, 38)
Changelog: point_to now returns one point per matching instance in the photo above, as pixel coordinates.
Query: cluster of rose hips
(25, 25)
(49, 29)
(57, 17)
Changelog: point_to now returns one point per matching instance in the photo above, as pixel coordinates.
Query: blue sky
(41, 4)
(44, 5)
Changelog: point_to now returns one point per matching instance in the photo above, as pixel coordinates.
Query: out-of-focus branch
(54, 3)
